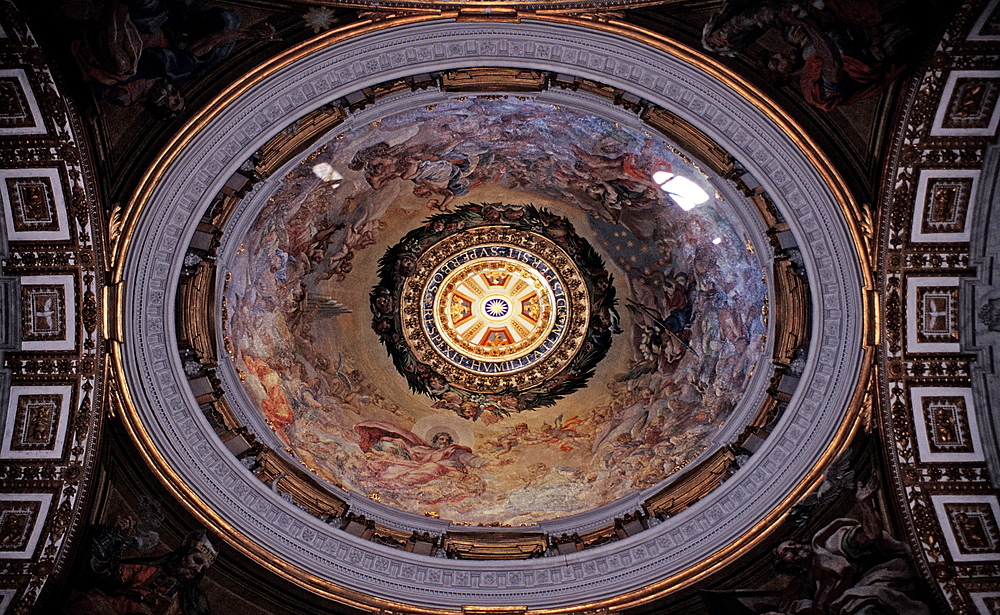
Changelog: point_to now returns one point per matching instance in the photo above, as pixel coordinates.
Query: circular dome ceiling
(577, 331)
(489, 323)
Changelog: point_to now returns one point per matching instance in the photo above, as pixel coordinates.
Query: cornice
(163, 419)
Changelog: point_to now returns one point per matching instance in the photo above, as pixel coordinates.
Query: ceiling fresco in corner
(672, 298)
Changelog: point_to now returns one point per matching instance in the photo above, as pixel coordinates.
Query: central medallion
(500, 308)
(496, 309)
(488, 308)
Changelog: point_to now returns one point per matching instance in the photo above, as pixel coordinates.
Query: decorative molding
(946, 426)
(932, 314)
(935, 277)
(53, 351)
(980, 319)
(36, 422)
(987, 603)
(6, 599)
(968, 106)
(971, 525)
(987, 26)
(20, 114)
(168, 419)
(48, 312)
(944, 205)
(22, 519)
(34, 205)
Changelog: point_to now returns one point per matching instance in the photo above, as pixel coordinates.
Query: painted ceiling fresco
(681, 342)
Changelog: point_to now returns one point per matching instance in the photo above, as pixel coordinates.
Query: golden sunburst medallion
(499, 308)
(495, 308)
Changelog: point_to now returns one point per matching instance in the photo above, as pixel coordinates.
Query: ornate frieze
(938, 195)
(53, 268)
(664, 554)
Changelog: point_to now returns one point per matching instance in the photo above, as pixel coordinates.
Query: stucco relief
(950, 121)
(52, 246)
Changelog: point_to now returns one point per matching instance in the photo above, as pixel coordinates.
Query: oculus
(498, 300)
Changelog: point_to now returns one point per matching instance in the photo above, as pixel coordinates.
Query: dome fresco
(680, 331)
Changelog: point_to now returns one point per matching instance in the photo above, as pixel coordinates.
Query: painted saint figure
(165, 585)
(407, 459)
(840, 51)
(851, 567)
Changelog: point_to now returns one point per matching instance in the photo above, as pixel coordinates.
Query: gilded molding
(813, 183)
(923, 263)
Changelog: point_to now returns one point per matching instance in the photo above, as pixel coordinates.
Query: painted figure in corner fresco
(137, 51)
(850, 567)
(164, 585)
(840, 51)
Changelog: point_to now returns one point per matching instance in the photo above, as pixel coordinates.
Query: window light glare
(327, 173)
(684, 192)
(661, 177)
(717, 240)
